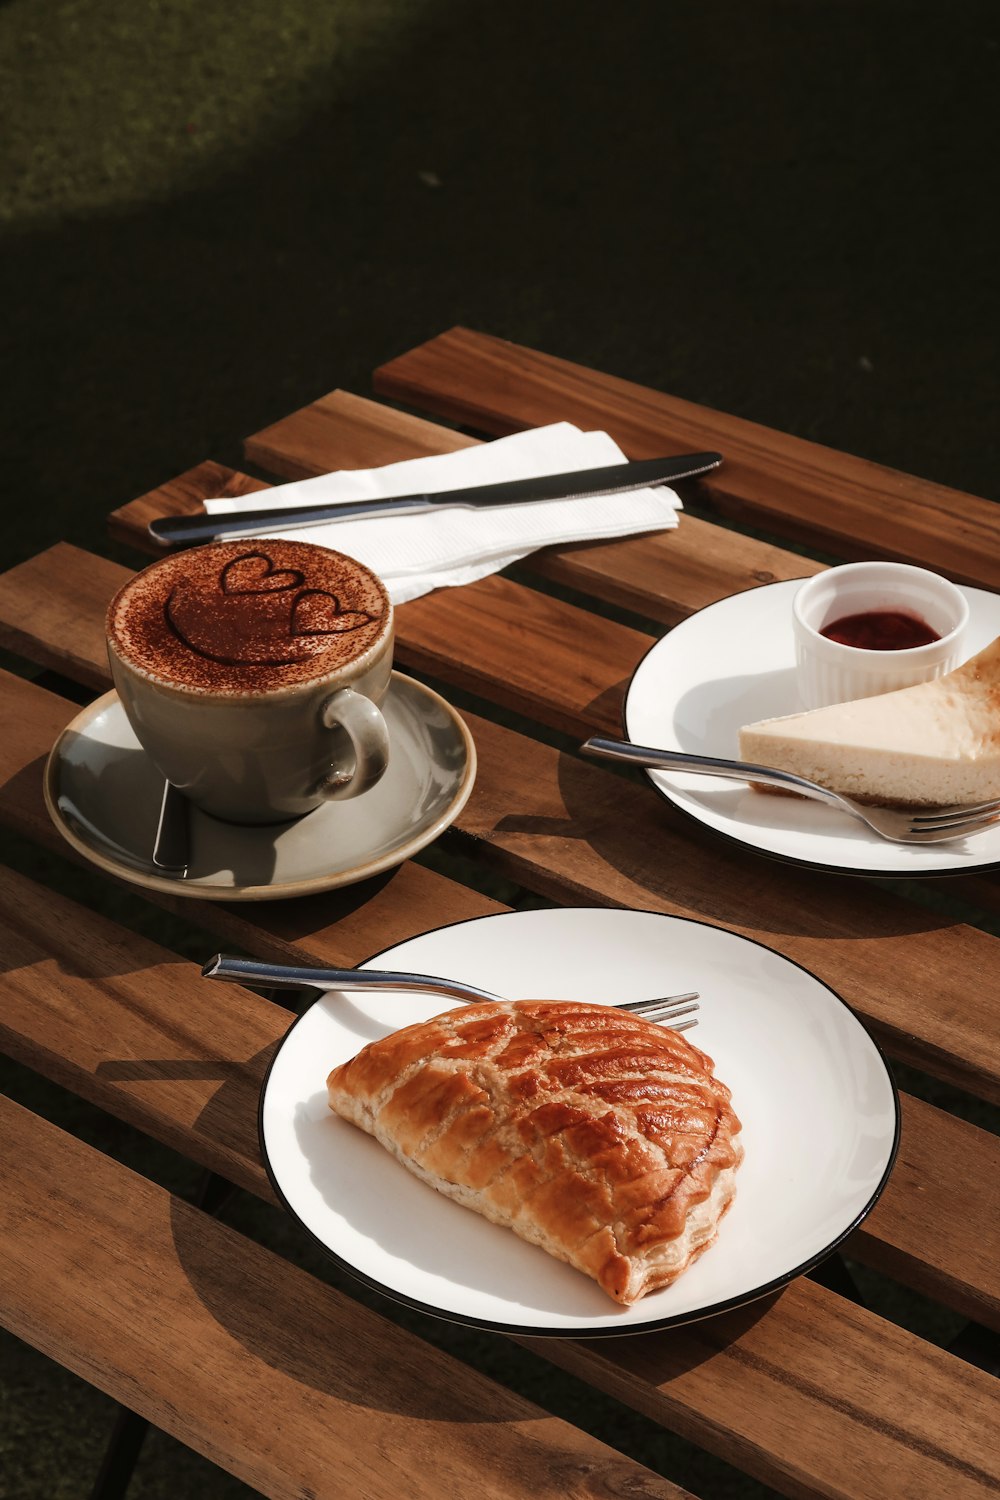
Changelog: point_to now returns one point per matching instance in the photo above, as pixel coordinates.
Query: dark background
(783, 209)
(214, 214)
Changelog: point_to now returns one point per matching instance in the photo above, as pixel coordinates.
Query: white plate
(103, 794)
(733, 663)
(818, 1106)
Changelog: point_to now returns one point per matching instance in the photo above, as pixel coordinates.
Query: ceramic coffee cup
(883, 594)
(252, 674)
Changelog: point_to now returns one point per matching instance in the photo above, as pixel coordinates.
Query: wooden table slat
(143, 1031)
(663, 575)
(928, 1420)
(336, 928)
(144, 1045)
(275, 1376)
(805, 1391)
(475, 638)
(583, 834)
(186, 493)
(525, 650)
(354, 428)
(941, 1159)
(795, 488)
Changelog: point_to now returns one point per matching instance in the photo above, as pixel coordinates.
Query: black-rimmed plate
(733, 663)
(817, 1103)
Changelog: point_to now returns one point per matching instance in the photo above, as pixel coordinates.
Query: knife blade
(172, 843)
(188, 531)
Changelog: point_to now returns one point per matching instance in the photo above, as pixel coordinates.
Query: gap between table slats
(58, 1018)
(887, 1394)
(140, 1041)
(664, 575)
(578, 683)
(266, 1371)
(794, 488)
(578, 833)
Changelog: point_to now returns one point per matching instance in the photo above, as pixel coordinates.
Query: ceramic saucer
(733, 663)
(104, 794)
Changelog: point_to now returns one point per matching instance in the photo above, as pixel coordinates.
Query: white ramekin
(830, 672)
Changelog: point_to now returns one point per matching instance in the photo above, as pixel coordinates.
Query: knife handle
(189, 531)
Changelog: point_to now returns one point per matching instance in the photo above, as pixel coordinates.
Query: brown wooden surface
(943, 1162)
(806, 1391)
(919, 1438)
(630, 571)
(792, 487)
(666, 578)
(582, 834)
(278, 1378)
(339, 927)
(125, 1024)
(186, 494)
(531, 653)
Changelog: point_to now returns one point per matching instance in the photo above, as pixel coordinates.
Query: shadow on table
(326, 1342)
(632, 849)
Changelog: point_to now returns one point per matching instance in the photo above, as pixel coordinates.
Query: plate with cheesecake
(549, 1164)
(723, 683)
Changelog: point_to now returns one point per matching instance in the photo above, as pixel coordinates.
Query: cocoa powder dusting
(248, 616)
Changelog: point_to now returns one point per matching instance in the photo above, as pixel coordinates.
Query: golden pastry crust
(598, 1135)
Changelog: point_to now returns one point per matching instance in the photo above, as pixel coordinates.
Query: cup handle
(364, 725)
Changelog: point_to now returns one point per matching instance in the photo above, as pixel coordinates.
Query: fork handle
(287, 976)
(706, 765)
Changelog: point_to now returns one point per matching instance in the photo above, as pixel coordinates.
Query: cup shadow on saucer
(104, 795)
(110, 795)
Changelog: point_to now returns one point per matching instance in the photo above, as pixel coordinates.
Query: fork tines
(668, 1008)
(952, 817)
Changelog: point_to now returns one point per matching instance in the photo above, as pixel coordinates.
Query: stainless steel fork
(668, 1008)
(926, 825)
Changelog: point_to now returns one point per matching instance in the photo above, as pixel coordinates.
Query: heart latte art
(254, 613)
(249, 615)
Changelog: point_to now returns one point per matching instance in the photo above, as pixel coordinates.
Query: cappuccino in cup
(252, 674)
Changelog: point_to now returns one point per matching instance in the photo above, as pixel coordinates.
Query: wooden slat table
(297, 1386)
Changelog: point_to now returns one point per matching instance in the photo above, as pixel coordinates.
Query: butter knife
(187, 531)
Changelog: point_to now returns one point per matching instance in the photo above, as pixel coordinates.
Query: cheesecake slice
(931, 745)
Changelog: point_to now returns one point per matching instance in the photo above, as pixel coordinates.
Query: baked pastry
(926, 746)
(589, 1131)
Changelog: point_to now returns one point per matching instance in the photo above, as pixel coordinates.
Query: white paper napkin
(434, 549)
